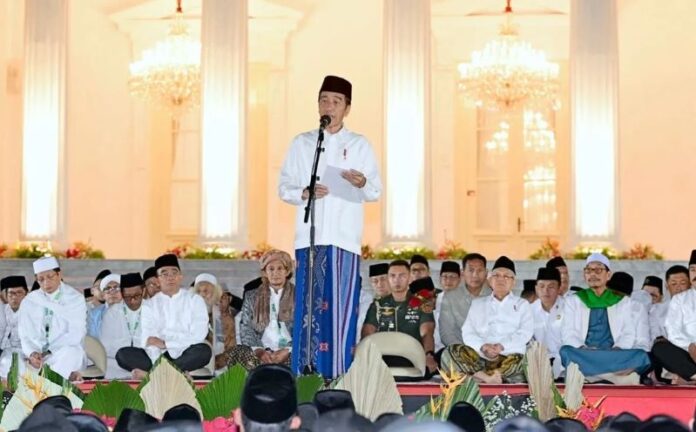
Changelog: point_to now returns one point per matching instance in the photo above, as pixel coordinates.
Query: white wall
(657, 105)
(104, 195)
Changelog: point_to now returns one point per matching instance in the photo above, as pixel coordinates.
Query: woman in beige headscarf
(267, 316)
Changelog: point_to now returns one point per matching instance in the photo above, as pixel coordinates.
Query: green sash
(593, 301)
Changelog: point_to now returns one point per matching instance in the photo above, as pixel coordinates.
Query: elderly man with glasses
(597, 332)
(174, 323)
(495, 333)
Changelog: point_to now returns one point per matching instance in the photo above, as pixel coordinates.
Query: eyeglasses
(594, 270)
(109, 290)
(16, 293)
(449, 276)
(502, 276)
(168, 275)
(134, 297)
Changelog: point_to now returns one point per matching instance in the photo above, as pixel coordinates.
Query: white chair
(97, 355)
(402, 346)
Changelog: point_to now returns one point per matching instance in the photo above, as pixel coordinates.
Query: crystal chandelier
(509, 74)
(168, 75)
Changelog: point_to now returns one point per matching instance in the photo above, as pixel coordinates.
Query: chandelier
(509, 74)
(168, 74)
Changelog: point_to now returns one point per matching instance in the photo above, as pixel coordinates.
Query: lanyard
(48, 321)
(132, 331)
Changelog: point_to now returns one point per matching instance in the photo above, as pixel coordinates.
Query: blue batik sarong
(335, 304)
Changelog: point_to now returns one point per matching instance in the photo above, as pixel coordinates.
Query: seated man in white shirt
(15, 289)
(548, 313)
(121, 328)
(495, 333)
(622, 284)
(677, 354)
(174, 324)
(657, 311)
(599, 332)
(53, 322)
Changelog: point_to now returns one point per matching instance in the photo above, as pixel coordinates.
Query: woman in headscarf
(267, 316)
(221, 334)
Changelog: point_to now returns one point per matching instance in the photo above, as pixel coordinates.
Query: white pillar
(223, 111)
(44, 118)
(594, 111)
(407, 89)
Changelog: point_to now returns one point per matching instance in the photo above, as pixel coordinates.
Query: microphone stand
(309, 367)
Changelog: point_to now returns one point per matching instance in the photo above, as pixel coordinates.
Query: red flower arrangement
(421, 299)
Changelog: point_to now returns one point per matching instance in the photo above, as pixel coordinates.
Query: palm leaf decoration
(67, 387)
(13, 374)
(167, 387)
(31, 389)
(573, 387)
(371, 383)
(223, 394)
(456, 387)
(109, 400)
(540, 378)
(307, 387)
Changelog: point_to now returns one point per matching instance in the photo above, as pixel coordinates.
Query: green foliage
(13, 374)
(223, 394)
(439, 408)
(404, 253)
(57, 379)
(557, 397)
(308, 386)
(111, 399)
(33, 250)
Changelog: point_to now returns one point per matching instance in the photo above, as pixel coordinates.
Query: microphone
(324, 121)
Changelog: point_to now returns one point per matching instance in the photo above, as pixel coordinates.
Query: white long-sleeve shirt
(121, 327)
(276, 336)
(681, 319)
(657, 315)
(10, 335)
(180, 321)
(576, 321)
(67, 325)
(547, 326)
(491, 321)
(338, 222)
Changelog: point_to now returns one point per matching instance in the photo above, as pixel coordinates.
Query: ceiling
(458, 26)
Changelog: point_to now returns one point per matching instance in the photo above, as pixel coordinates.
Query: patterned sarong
(463, 358)
(335, 304)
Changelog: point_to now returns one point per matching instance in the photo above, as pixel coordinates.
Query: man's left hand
(430, 363)
(156, 342)
(354, 177)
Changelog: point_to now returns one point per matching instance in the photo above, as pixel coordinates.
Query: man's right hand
(36, 360)
(263, 356)
(320, 191)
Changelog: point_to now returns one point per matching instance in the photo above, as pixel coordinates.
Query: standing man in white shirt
(548, 313)
(53, 322)
(339, 224)
(15, 289)
(121, 327)
(174, 324)
(495, 333)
